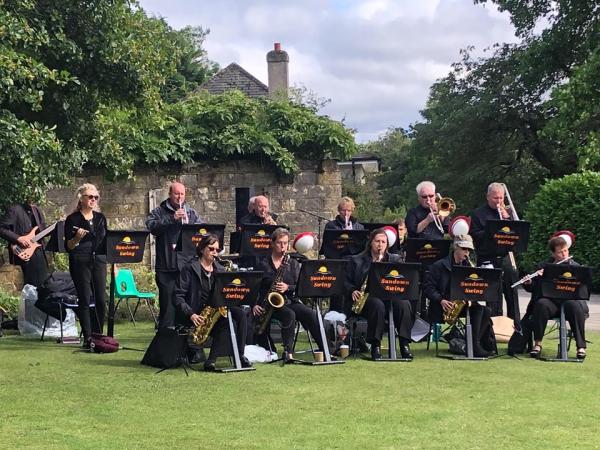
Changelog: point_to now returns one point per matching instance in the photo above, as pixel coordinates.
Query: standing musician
(344, 219)
(85, 232)
(165, 222)
(293, 309)
(420, 220)
(542, 308)
(437, 289)
(375, 309)
(260, 213)
(492, 210)
(18, 221)
(193, 291)
(402, 232)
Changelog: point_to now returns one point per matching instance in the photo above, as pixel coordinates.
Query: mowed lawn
(53, 396)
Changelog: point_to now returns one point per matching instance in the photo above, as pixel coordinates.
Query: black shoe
(405, 352)
(209, 366)
(196, 357)
(536, 351)
(87, 344)
(375, 352)
(481, 353)
(581, 354)
(287, 358)
(245, 362)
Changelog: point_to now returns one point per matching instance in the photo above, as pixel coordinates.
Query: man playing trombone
(424, 221)
(495, 209)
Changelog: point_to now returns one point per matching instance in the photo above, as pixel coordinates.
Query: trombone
(510, 208)
(444, 206)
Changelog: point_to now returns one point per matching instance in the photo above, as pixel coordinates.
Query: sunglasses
(428, 196)
(92, 197)
(213, 249)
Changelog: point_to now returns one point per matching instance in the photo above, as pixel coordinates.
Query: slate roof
(235, 77)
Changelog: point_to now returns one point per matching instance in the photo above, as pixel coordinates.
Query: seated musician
(193, 292)
(344, 219)
(542, 308)
(420, 220)
(286, 269)
(437, 289)
(375, 309)
(260, 213)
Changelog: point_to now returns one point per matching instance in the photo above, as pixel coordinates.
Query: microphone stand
(320, 220)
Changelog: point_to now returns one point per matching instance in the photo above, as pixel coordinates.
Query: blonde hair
(346, 201)
(79, 193)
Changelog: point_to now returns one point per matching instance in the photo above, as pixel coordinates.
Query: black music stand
(565, 282)
(319, 279)
(473, 284)
(56, 243)
(393, 281)
(503, 236)
(343, 243)
(191, 235)
(122, 246)
(235, 289)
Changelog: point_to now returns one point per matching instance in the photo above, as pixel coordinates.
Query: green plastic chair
(125, 289)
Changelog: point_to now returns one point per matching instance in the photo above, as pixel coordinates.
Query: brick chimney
(277, 65)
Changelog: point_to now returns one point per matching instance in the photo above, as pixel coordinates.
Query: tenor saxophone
(359, 304)
(273, 300)
(451, 316)
(210, 314)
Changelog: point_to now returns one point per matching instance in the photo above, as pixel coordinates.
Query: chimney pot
(277, 46)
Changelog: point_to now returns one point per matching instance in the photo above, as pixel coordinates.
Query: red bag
(103, 344)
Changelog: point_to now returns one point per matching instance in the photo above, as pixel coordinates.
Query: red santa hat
(459, 226)
(303, 242)
(567, 236)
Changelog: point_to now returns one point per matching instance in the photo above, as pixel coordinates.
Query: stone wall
(210, 189)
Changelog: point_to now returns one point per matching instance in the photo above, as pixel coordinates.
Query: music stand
(122, 246)
(565, 282)
(504, 236)
(342, 243)
(473, 284)
(191, 235)
(391, 281)
(426, 251)
(56, 243)
(318, 279)
(235, 289)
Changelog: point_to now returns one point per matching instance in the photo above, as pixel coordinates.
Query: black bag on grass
(167, 350)
(521, 342)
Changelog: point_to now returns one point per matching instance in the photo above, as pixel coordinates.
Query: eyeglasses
(92, 197)
(214, 249)
(428, 196)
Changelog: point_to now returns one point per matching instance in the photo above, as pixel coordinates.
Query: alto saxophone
(451, 316)
(210, 314)
(359, 304)
(273, 299)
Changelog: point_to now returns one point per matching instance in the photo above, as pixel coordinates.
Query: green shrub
(10, 303)
(568, 203)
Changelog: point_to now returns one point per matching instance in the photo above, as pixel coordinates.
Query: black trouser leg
(509, 276)
(166, 293)
(575, 315)
(481, 326)
(35, 271)
(543, 310)
(309, 321)
(287, 321)
(221, 345)
(374, 312)
(403, 319)
(98, 289)
(79, 268)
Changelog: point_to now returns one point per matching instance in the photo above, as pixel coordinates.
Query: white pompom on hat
(567, 236)
(303, 242)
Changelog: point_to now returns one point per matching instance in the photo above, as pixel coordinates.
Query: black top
(416, 215)
(359, 267)
(437, 284)
(18, 221)
(93, 242)
(290, 276)
(478, 220)
(193, 290)
(339, 224)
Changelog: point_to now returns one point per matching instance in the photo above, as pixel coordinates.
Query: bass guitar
(25, 254)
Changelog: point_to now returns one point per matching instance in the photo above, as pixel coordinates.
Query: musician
(165, 223)
(492, 210)
(374, 309)
(293, 309)
(420, 220)
(437, 288)
(542, 308)
(16, 223)
(260, 213)
(193, 291)
(344, 219)
(85, 233)
(400, 247)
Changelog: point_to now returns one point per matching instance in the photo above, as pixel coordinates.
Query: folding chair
(63, 304)
(126, 289)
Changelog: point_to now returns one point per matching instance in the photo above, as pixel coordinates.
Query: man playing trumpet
(260, 213)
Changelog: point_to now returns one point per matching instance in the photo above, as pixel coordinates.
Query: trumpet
(444, 206)
(268, 220)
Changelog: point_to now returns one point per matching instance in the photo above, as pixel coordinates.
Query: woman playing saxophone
(374, 309)
(192, 294)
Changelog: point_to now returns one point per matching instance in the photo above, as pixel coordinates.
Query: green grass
(52, 396)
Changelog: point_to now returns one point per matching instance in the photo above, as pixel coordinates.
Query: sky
(374, 59)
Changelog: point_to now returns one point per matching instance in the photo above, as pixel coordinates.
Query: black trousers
(376, 310)
(35, 271)
(166, 297)
(287, 317)
(575, 311)
(509, 276)
(481, 324)
(221, 345)
(89, 276)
